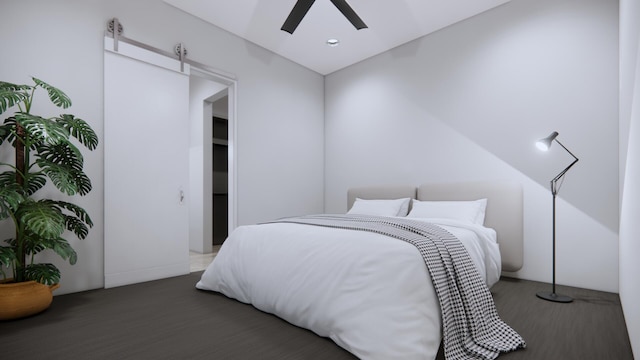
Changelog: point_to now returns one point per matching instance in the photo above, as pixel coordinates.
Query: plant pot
(18, 300)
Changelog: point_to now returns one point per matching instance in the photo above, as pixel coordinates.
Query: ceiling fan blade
(298, 12)
(348, 12)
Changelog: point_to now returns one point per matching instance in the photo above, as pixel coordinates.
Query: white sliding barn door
(146, 165)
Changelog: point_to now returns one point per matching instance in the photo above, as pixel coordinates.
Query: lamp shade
(545, 144)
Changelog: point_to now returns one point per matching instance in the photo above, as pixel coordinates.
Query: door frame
(231, 92)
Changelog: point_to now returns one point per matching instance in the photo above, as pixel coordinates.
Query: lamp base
(551, 296)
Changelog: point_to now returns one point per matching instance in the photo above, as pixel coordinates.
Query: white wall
(279, 109)
(630, 169)
(468, 103)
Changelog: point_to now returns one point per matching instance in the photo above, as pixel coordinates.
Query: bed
(367, 291)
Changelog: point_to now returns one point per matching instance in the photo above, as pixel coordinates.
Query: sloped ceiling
(390, 23)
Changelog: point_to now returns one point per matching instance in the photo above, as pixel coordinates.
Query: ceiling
(390, 23)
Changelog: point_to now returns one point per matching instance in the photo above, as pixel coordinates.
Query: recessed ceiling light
(333, 42)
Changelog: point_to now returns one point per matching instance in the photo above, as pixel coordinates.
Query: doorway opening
(220, 169)
(211, 161)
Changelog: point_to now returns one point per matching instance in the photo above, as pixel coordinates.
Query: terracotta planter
(23, 299)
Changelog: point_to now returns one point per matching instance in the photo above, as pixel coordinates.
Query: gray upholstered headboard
(504, 208)
(504, 212)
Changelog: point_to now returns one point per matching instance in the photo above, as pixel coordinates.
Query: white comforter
(369, 293)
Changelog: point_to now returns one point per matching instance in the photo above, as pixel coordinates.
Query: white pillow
(396, 207)
(467, 211)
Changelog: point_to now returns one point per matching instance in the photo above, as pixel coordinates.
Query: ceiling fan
(301, 8)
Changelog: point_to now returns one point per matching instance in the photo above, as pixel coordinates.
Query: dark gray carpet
(170, 319)
(591, 327)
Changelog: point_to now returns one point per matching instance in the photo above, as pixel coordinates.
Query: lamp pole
(553, 288)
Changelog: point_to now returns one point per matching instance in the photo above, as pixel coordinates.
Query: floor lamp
(544, 145)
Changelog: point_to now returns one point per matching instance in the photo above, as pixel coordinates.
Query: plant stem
(20, 168)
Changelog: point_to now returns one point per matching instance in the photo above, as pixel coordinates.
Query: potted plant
(44, 150)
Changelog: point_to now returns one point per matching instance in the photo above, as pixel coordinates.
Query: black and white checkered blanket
(472, 328)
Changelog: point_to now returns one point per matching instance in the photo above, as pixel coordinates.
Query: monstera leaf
(57, 97)
(80, 130)
(7, 256)
(67, 179)
(10, 199)
(41, 130)
(33, 183)
(12, 94)
(43, 273)
(42, 218)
